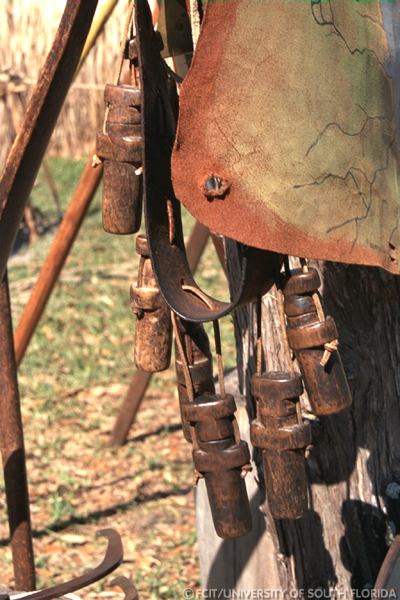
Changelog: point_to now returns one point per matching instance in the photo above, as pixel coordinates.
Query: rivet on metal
(215, 187)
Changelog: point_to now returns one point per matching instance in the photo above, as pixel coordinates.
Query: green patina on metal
(294, 103)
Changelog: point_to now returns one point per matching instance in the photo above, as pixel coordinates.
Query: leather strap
(258, 268)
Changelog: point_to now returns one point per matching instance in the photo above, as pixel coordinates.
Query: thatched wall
(27, 28)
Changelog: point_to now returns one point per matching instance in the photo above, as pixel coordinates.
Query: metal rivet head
(215, 187)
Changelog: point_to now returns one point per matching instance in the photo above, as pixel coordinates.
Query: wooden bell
(220, 458)
(197, 349)
(314, 342)
(281, 435)
(153, 338)
(120, 146)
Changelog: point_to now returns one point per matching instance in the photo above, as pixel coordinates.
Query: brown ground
(143, 489)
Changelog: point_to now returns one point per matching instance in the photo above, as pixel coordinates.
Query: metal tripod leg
(13, 452)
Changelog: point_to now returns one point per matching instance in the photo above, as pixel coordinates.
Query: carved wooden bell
(197, 349)
(314, 342)
(282, 436)
(120, 146)
(153, 338)
(221, 459)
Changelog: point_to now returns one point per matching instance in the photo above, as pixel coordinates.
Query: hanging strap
(258, 268)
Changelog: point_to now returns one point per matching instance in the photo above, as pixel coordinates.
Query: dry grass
(27, 29)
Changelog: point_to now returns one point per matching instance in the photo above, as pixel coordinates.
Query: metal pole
(13, 453)
(58, 253)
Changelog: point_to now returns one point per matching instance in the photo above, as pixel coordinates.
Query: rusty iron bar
(16, 183)
(388, 578)
(51, 184)
(141, 380)
(56, 257)
(44, 106)
(13, 452)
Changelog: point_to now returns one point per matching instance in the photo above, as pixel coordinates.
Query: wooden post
(341, 541)
(58, 253)
(196, 245)
(129, 408)
(13, 452)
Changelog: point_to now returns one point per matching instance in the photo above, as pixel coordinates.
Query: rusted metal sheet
(288, 128)
(43, 109)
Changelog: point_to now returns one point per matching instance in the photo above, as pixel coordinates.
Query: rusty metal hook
(112, 559)
(127, 587)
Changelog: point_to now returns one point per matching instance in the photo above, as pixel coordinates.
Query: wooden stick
(58, 253)
(196, 245)
(130, 407)
(51, 184)
(13, 453)
(30, 222)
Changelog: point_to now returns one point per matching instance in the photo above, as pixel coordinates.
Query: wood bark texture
(353, 467)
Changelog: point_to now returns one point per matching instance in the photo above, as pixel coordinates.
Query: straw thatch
(27, 29)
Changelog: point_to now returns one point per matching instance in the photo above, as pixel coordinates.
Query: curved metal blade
(112, 559)
(127, 587)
